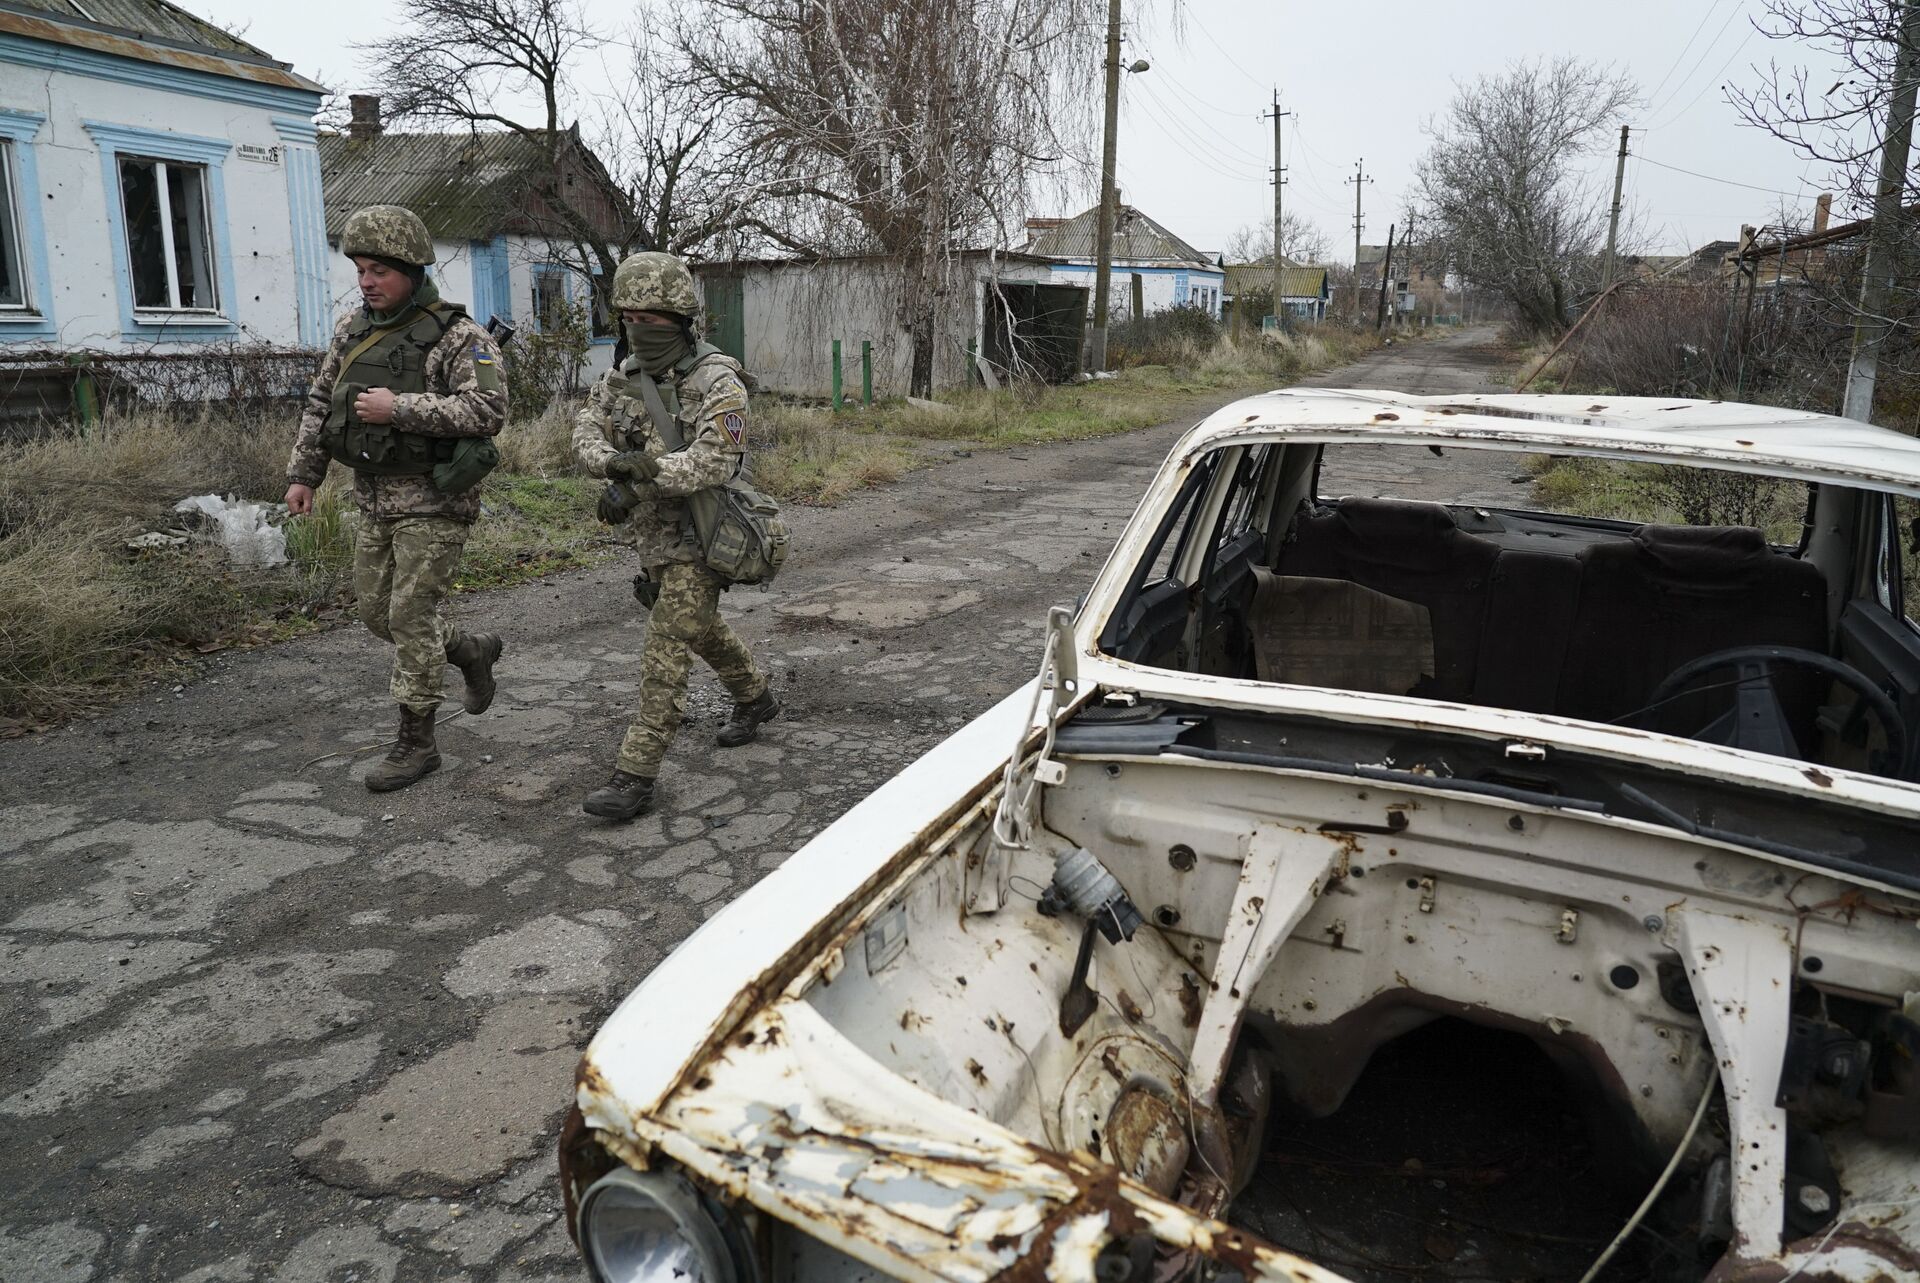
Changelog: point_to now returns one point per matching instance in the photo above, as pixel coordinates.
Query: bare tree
(1499, 190)
(659, 169)
(1301, 241)
(909, 128)
(1842, 127)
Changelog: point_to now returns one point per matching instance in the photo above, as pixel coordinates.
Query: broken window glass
(169, 242)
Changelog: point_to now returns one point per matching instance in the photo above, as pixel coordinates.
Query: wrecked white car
(1614, 792)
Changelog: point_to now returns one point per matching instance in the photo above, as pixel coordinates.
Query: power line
(1180, 133)
(1159, 65)
(1716, 80)
(1771, 191)
(1704, 55)
(1197, 151)
(1677, 58)
(1222, 146)
(1193, 18)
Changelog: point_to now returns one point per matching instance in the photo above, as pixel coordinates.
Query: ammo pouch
(473, 458)
(739, 530)
(393, 358)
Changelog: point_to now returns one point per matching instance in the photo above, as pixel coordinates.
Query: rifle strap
(665, 424)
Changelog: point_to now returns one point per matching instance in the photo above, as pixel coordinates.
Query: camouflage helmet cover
(387, 231)
(654, 282)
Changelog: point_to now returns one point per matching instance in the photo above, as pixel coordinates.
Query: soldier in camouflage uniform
(409, 397)
(615, 436)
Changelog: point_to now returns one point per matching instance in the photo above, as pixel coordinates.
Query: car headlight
(639, 1227)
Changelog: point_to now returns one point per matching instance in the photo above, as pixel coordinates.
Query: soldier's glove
(616, 505)
(646, 590)
(633, 466)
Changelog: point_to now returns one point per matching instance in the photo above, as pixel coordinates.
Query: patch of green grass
(1667, 494)
(530, 527)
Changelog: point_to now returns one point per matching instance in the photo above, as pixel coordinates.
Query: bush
(1175, 336)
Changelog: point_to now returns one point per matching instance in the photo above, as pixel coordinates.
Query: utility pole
(1870, 325)
(1103, 237)
(1279, 181)
(1386, 274)
(1358, 180)
(1613, 220)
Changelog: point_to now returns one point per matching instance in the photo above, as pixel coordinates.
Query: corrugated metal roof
(463, 186)
(1136, 239)
(1257, 278)
(155, 18)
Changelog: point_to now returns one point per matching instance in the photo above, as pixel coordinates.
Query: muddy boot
(746, 719)
(620, 798)
(412, 757)
(474, 655)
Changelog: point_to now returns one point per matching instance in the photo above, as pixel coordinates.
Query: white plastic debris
(241, 527)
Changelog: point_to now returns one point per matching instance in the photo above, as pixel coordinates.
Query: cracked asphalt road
(262, 1024)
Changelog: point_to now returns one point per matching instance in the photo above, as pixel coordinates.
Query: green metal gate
(728, 316)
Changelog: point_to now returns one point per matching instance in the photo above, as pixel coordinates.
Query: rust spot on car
(911, 1020)
(1386, 416)
(1738, 441)
(1818, 776)
(1189, 1001)
(1130, 1009)
(1595, 409)
(747, 1039)
(977, 1071)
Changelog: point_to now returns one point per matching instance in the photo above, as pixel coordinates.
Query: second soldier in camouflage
(615, 436)
(408, 396)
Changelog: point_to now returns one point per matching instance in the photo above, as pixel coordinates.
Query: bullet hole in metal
(1624, 977)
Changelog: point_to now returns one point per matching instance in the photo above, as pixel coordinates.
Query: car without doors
(1618, 781)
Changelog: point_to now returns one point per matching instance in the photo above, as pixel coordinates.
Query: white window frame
(16, 232)
(163, 194)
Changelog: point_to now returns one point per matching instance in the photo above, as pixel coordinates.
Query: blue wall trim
(128, 140)
(21, 128)
(492, 280)
(307, 213)
(22, 51)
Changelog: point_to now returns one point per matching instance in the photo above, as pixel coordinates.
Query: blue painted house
(499, 250)
(1169, 271)
(159, 184)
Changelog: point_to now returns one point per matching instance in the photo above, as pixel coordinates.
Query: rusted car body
(1302, 773)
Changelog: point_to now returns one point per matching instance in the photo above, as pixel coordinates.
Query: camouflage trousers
(686, 622)
(402, 570)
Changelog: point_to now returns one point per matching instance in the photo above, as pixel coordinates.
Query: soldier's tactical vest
(394, 358)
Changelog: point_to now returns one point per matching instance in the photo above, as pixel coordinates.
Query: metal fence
(41, 390)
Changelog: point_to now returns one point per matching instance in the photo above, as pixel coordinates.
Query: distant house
(495, 240)
(1002, 315)
(1150, 263)
(1305, 290)
(159, 188)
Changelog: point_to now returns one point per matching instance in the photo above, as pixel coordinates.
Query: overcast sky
(1364, 76)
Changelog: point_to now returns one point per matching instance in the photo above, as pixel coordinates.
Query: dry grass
(81, 615)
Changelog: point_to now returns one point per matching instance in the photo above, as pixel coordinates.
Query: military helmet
(387, 231)
(654, 283)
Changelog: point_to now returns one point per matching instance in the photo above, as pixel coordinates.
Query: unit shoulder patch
(735, 425)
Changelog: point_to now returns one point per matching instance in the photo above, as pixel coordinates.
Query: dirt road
(263, 1024)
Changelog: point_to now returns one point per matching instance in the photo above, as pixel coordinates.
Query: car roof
(1746, 438)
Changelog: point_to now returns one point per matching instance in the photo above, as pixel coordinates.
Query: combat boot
(746, 719)
(474, 655)
(620, 798)
(413, 756)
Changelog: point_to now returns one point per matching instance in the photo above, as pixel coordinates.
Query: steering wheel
(1758, 722)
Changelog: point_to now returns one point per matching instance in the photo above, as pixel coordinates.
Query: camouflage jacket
(458, 406)
(713, 423)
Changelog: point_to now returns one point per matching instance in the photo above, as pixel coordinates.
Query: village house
(500, 249)
(1305, 291)
(1153, 269)
(159, 184)
(1001, 316)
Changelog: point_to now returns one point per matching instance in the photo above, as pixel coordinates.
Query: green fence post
(86, 398)
(866, 372)
(836, 374)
